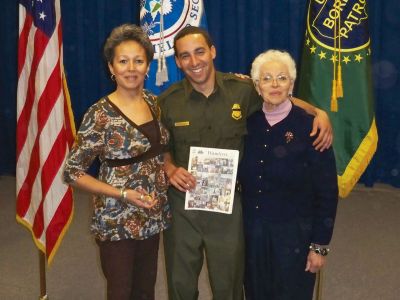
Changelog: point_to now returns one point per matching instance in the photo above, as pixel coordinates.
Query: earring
(112, 77)
(146, 76)
(290, 96)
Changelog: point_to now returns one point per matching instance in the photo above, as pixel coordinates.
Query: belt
(152, 152)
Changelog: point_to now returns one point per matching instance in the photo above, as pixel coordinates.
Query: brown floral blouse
(108, 134)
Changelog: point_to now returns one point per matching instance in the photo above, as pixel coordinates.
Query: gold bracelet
(122, 194)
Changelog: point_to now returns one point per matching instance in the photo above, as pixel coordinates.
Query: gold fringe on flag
(359, 162)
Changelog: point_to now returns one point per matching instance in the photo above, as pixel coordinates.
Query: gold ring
(141, 197)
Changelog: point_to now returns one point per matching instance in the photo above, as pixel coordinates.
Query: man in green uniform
(207, 109)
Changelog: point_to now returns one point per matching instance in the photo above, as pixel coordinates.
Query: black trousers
(130, 268)
(276, 255)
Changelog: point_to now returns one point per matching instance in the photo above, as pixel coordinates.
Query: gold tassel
(339, 86)
(339, 89)
(334, 103)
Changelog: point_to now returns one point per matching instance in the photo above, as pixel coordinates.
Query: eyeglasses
(280, 79)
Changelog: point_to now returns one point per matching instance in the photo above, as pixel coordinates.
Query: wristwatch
(321, 250)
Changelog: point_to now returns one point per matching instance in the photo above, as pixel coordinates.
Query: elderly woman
(289, 189)
(130, 205)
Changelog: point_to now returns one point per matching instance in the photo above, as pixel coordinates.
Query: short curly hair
(269, 56)
(123, 33)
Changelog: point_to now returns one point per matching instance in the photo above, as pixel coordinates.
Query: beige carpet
(364, 263)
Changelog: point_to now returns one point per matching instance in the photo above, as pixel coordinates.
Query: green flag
(335, 75)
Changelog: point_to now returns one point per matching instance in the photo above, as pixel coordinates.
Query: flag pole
(318, 289)
(42, 270)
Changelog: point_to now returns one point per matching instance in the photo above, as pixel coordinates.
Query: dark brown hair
(123, 33)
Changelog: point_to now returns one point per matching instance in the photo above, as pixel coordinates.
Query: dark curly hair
(123, 33)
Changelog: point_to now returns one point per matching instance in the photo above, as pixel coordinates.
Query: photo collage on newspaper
(215, 172)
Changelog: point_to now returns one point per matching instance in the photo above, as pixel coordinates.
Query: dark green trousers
(193, 233)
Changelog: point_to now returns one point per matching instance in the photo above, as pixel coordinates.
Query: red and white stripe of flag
(45, 133)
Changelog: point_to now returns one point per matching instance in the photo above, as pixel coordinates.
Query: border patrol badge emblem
(329, 21)
(236, 112)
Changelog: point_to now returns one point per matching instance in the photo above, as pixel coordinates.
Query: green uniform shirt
(218, 121)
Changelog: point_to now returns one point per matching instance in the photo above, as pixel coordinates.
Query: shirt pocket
(232, 135)
(183, 138)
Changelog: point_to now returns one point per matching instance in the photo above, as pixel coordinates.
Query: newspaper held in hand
(215, 172)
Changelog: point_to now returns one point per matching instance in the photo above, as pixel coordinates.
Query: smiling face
(195, 58)
(274, 84)
(129, 66)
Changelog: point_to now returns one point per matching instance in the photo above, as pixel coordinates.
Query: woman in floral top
(130, 203)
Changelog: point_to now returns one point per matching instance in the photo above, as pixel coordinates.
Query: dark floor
(364, 263)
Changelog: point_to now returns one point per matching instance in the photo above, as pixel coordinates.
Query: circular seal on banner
(177, 14)
(329, 20)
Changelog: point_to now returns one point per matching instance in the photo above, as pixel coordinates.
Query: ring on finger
(141, 197)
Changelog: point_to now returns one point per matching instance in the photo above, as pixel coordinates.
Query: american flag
(45, 128)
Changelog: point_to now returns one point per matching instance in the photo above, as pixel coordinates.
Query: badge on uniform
(236, 112)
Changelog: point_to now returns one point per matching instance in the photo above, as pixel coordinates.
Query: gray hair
(123, 33)
(270, 56)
